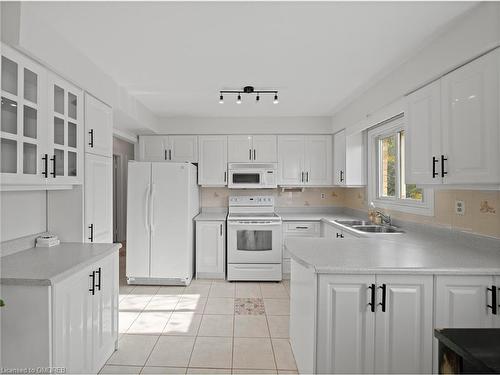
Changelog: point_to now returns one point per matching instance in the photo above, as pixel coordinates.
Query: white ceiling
(175, 57)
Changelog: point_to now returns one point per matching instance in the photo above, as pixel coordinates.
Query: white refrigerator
(162, 201)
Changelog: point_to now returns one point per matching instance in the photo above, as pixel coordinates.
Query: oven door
(254, 242)
(245, 179)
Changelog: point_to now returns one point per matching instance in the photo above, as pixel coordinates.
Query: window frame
(392, 126)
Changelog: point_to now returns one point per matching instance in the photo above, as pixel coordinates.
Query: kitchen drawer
(309, 228)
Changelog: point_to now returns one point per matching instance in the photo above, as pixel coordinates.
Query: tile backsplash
(311, 197)
(481, 216)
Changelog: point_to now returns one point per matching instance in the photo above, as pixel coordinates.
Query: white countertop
(395, 255)
(211, 216)
(47, 265)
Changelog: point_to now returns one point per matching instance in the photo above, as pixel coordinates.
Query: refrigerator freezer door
(170, 221)
(138, 220)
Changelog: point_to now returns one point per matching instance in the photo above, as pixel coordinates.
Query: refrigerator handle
(151, 203)
(146, 207)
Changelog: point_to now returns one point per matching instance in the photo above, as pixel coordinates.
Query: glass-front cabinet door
(65, 128)
(23, 136)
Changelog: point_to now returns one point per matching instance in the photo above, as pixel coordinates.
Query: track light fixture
(251, 91)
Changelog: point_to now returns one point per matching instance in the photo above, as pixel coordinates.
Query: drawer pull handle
(301, 227)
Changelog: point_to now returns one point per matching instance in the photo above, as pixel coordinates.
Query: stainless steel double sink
(368, 227)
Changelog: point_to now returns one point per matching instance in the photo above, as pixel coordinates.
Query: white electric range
(254, 239)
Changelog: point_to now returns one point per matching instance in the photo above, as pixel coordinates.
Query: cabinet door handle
(254, 153)
(46, 165)
(91, 142)
(249, 154)
(91, 227)
(307, 176)
(166, 155)
(92, 282)
(384, 291)
(341, 176)
(225, 176)
(443, 172)
(372, 297)
(494, 305)
(221, 230)
(340, 235)
(170, 154)
(53, 160)
(301, 176)
(434, 161)
(98, 285)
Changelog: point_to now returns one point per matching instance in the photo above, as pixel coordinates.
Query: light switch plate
(460, 207)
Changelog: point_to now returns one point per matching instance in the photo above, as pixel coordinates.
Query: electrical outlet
(460, 208)
(323, 196)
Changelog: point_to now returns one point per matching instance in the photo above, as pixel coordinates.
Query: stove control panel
(251, 200)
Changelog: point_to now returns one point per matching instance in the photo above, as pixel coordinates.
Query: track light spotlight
(221, 99)
(257, 98)
(239, 99)
(275, 101)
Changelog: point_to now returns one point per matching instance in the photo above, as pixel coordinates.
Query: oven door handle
(254, 223)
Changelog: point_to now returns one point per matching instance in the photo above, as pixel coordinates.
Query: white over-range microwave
(252, 175)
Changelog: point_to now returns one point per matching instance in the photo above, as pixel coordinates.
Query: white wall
(469, 36)
(22, 213)
(125, 151)
(245, 125)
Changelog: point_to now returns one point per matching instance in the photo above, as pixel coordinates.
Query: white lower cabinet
(211, 249)
(98, 199)
(403, 328)
(346, 324)
(76, 325)
(297, 229)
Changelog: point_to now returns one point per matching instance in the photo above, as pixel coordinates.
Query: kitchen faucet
(384, 219)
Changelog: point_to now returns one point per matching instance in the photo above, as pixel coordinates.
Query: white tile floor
(194, 329)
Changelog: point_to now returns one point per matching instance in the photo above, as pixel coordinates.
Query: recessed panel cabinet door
(72, 323)
(239, 148)
(98, 127)
(153, 148)
(291, 160)
(212, 169)
(339, 150)
(264, 148)
(210, 247)
(183, 148)
(346, 324)
(105, 310)
(98, 198)
(403, 334)
(318, 151)
(471, 122)
(423, 135)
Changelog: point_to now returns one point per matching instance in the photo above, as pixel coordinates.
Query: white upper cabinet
(264, 148)
(98, 199)
(291, 153)
(178, 148)
(423, 135)
(470, 122)
(65, 131)
(23, 132)
(453, 127)
(239, 148)
(153, 148)
(98, 127)
(248, 148)
(212, 168)
(318, 162)
(305, 160)
(183, 148)
(349, 159)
